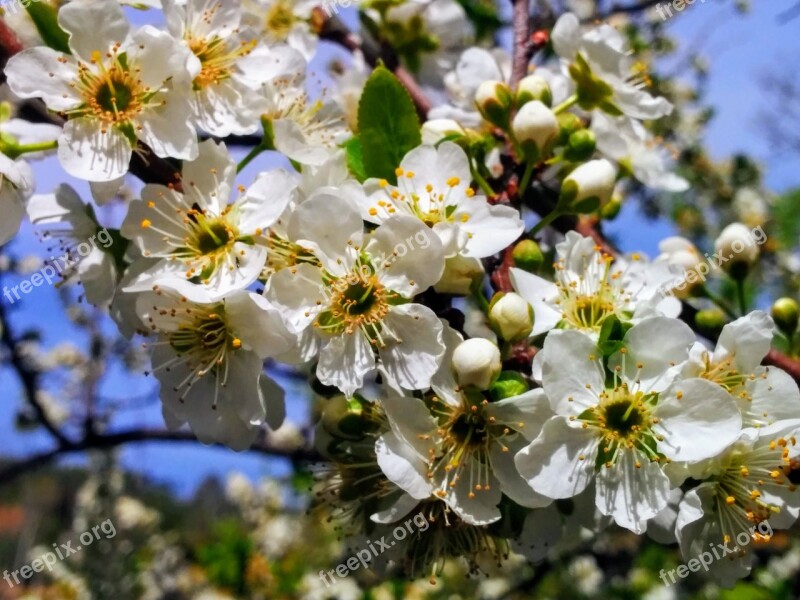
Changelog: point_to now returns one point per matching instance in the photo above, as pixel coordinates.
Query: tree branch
(29, 378)
(112, 440)
(334, 30)
(522, 41)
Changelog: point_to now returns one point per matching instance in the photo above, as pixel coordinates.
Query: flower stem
(484, 185)
(740, 295)
(546, 220)
(566, 104)
(17, 150)
(526, 177)
(720, 302)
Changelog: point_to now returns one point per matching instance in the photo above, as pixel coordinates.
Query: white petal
(331, 226)
(402, 466)
(167, 130)
(405, 251)
(274, 399)
(87, 153)
(632, 496)
(526, 413)
(413, 354)
(699, 424)
(541, 295)
(93, 25)
(297, 292)
(552, 463)
(746, 340)
(772, 396)
(491, 228)
(264, 201)
(256, 323)
(25, 77)
(657, 344)
(344, 361)
(572, 373)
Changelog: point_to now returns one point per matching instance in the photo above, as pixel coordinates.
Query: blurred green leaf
(45, 18)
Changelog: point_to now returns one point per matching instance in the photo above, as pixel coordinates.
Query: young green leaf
(388, 124)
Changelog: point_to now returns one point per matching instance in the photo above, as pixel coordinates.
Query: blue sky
(739, 50)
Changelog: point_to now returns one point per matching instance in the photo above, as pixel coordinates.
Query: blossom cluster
(574, 383)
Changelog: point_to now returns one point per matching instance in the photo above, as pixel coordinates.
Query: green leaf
(787, 225)
(388, 124)
(355, 158)
(45, 18)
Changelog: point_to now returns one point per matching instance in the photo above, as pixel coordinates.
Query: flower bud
(436, 130)
(580, 145)
(535, 127)
(493, 99)
(534, 87)
(508, 385)
(785, 312)
(460, 272)
(527, 256)
(736, 246)
(477, 362)
(342, 418)
(710, 321)
(511, 316)
(568, 124)
(611, 210)
(682, 253)
(588, 187)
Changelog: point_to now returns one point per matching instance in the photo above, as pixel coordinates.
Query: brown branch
(9, 46)
(522, 41)
(334, 30)
(135, 436)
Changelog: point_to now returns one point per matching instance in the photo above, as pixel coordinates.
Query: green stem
(566, 104)
(484, 185)
(17, 150)
(546, 220)
(720, 302)
(741, 296)
(251, 156)
(526, 177)
(477, 295)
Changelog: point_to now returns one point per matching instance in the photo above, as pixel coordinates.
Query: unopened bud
(460, 272)
(710, 320)
(436, 130)
(528, 256)
(534, 87)
(493, 99)
(511, 316)
(588, 187)
(737, 247)
(611, 210)
(342, 418)
(508, 385)
(476, 362)
(581, 145)
(785, 313)
(568, 124)
(535, 127)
